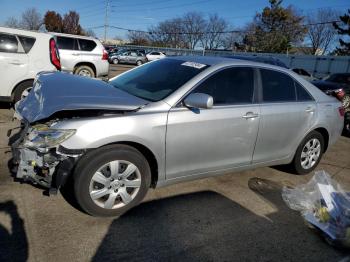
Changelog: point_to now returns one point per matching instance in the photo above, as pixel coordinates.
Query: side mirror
(199, 100)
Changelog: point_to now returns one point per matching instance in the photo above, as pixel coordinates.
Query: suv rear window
(8, 43)
(86, 45)
(27, 42)
(66, 43)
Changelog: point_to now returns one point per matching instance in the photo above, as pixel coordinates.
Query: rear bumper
(102, 68)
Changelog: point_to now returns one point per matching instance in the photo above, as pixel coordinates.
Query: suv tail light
(54, 55)
(104, 55)
(341, 111)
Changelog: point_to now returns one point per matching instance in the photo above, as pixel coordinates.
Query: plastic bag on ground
(324, 204)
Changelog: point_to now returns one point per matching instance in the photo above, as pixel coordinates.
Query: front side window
(277, 87)
(66, 43)
(230, 86)
(8, 43)
(157, 80)
(86, 45)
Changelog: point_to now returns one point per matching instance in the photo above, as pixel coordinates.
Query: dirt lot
(215, 219)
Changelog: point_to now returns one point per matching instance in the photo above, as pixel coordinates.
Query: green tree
(344, 31)
(275, 29)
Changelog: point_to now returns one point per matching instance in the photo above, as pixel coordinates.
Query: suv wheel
(309, 153)
(115, 61)
(138, 62)
(84, 71)
(110, 180)
(22, 91)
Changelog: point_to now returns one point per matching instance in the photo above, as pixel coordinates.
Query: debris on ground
(324, 205)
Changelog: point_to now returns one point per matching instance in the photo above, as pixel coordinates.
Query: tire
(115, 61)
(21, 90)
(84, 70)
(85, 185)
(139, 62)
(308, 158)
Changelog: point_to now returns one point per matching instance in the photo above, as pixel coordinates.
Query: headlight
(47, 138)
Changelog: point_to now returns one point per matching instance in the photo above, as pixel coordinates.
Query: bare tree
(194, 26)
(137, 38)
(320, 33)
(214, 36)
(31, 19)
(12, 22)
(71, 23)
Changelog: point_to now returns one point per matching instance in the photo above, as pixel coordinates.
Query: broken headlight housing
(45, 137)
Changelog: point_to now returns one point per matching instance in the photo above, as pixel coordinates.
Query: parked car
(334, 81)
(82, 55)
(155, 55)
(171, 120)
(303, 73)
(110, 49)
(23, 54)
(128, 57)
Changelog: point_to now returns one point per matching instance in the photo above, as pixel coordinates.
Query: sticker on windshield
(194, 64)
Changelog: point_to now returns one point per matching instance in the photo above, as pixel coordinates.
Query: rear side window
(277, 87)
(66, 43)
(86, 45)
(8, 43)
(27, 42)
(302, 94)
(230, 86)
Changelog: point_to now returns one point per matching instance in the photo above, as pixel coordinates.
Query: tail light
(54, 55)
(341, 111)
(104, 55)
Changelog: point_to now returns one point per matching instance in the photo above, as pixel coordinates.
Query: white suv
(23, 54)
(82, 55)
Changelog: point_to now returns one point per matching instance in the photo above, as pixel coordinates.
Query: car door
(69, 52)
(13, 63)
(287, 113)
(124, 57)
(132, 57)
(223, 137)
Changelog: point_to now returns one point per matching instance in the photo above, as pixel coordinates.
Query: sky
(141, 14)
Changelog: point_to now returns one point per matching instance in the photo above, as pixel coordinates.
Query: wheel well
(86, 64)
(325, 135)
(151, 159)
(14, 89)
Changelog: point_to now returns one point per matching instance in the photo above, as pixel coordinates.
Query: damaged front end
(39, 159)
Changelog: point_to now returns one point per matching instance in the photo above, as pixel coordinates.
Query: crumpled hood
(55, 91)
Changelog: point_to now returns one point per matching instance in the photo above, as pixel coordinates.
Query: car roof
(74, 36)
(25, 32)
(218, 60)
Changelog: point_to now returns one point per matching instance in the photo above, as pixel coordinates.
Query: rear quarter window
(86, 45)
(8, 43)
(66, 43)
(27, 42)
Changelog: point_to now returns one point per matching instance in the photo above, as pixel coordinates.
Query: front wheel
(139, 62)
(110, 180)
(309, 153)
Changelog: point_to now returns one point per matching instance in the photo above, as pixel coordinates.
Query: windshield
(155, 81)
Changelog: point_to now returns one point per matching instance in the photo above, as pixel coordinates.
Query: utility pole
(106, 19)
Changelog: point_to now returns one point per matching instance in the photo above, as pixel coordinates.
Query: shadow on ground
(13, 242)
(207, 226)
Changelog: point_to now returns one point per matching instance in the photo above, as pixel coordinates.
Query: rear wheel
(309, 153)
(111, 180)
(115, 61)
(138, 62)
(84, 71)
(22, 91)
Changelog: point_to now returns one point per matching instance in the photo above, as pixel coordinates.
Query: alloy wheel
(25, 92)
(115, 184)
(85, 73)
(310, 153)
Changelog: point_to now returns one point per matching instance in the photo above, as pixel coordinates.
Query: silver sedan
(168, 121)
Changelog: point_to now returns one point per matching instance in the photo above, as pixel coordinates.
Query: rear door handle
(250, 115)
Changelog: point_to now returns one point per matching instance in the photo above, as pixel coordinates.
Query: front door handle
(249, 115)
